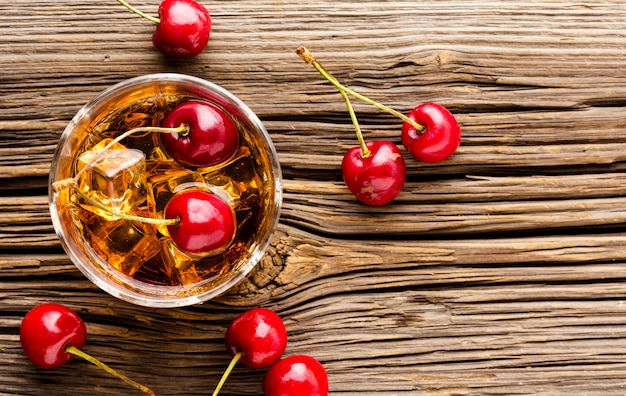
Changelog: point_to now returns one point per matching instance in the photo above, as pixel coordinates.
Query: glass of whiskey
(117, 180)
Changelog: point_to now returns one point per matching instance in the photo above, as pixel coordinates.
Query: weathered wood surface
(497, 272)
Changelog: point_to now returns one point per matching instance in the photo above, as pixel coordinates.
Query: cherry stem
(73, 181)
(181, 129)
(365, 152)
(125, 216)
(139, 12)
(229, 369)
(308, 57)
(77, 352)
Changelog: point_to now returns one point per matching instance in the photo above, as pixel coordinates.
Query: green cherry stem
(365, 152)
(139, 12)
(59, 185)
(72, 182)
(77, 352)
(116, 213)
(308, 57)
(229, 369)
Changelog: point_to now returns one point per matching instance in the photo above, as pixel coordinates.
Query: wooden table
(500, 271)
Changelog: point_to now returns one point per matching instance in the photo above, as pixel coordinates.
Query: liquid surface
(137, 177)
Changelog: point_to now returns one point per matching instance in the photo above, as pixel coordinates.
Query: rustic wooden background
(501, 271)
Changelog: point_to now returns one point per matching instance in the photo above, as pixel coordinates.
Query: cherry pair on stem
(183, 27)
(195, 134)
(257, 339)
(375, 172)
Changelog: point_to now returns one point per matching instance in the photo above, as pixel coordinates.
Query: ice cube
(115, 178)
(124, 244)
(238, 177)
(186, 269)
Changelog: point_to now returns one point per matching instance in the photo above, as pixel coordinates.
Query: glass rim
(160, 298)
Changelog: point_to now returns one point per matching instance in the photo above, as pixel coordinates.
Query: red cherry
(183, 30)
(439, 140)
(378, 178)
(212, 136)
(260, 335)
(206, 222)
(298, 375)
(257, 338)
(51, 334)
(47, 330)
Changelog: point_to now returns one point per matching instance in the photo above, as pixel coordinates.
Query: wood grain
(496, 272)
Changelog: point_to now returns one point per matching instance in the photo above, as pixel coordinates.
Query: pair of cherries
(183, 27)
(195, 134)
(52, 334)
(206, 222)
(258, 338)
(375, 171)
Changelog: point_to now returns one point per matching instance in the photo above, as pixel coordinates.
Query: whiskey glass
(135, 261)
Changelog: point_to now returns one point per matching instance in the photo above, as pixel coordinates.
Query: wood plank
(496, 272)
(360, 300)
